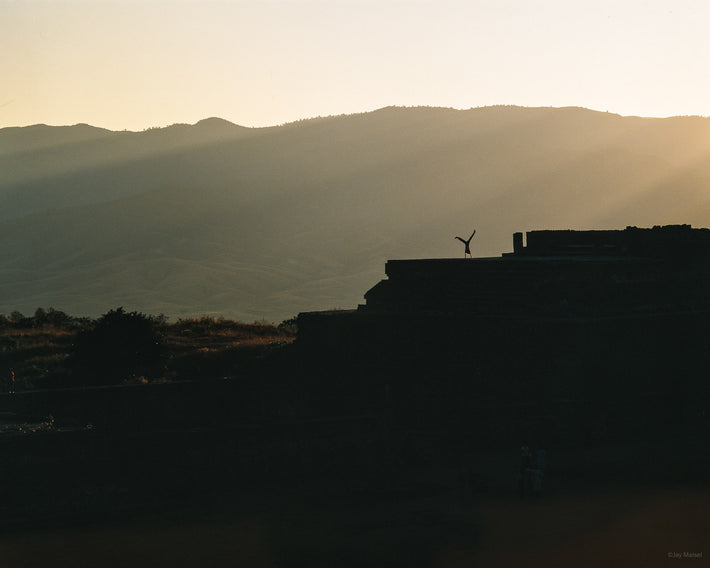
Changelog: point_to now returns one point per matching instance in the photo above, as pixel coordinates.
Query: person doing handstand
(467, 251)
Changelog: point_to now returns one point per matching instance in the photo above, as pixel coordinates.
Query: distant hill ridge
(261, 223)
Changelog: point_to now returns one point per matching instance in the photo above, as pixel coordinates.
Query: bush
(289, 326)
(121, 346)
(19, 320)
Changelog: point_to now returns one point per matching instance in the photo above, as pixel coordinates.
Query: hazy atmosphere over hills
(265, 223)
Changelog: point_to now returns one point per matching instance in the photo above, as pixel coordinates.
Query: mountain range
(263, 223)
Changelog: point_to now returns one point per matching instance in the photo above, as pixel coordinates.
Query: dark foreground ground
(614, 527)
(211, 495)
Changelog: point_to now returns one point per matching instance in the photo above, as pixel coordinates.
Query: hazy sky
(138, 63)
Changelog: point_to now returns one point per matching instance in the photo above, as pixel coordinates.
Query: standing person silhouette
(12, 382)
(467, 251)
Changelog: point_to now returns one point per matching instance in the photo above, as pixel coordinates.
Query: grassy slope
(264, 223)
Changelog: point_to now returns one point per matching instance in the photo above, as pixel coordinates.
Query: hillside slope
(264, 223)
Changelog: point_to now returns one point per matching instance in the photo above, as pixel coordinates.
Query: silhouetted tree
(59, 318)
(18, 319)
(40, 317)
(119, 347)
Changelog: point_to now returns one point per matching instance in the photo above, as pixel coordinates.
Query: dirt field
(607, 529)
(595, 511)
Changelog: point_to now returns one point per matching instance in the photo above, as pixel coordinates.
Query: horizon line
(344, 115)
